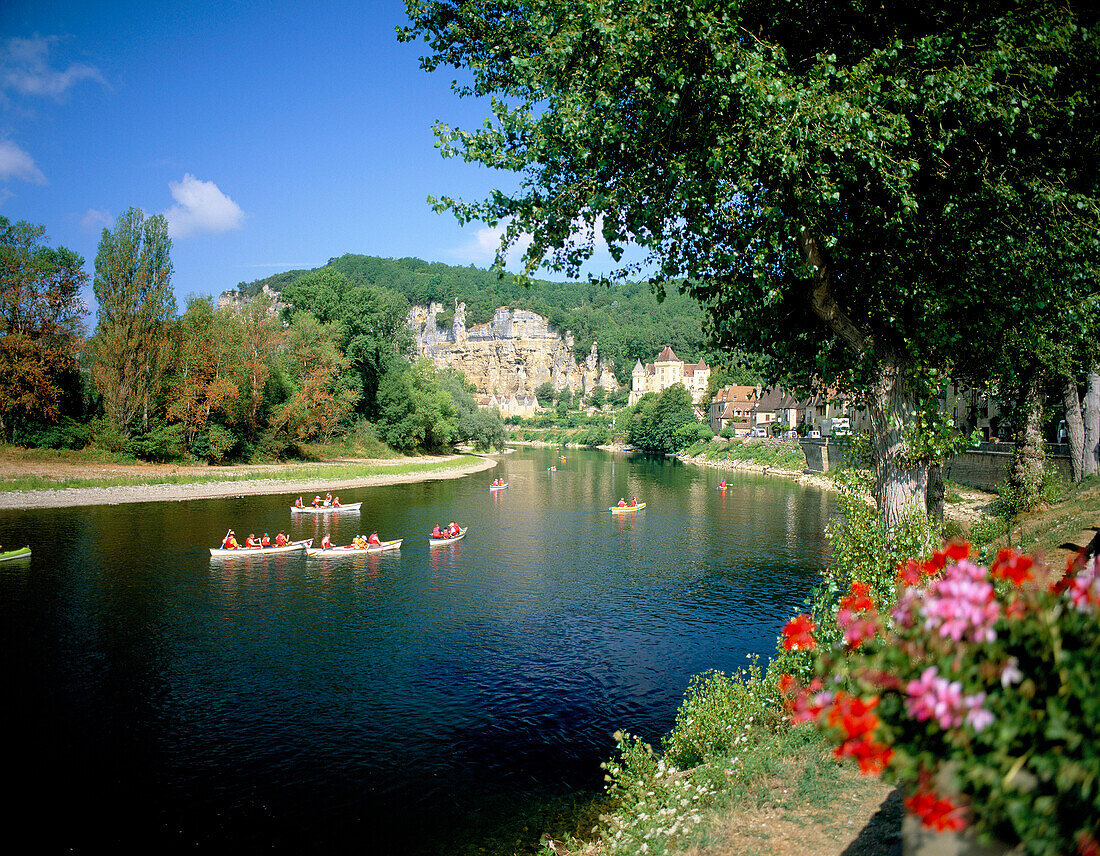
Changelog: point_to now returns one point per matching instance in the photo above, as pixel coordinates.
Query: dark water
(161, 701)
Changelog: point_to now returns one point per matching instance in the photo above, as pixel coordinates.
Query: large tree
(370, 321)
(40, 327)
(132, 284)
(848, 187)
(203, 377)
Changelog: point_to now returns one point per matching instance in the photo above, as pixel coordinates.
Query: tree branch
(824, 304)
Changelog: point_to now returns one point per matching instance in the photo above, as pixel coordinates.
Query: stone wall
(822, 455)
(984, 467)
(514, 354)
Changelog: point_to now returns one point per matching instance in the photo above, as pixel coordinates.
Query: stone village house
(668, 370)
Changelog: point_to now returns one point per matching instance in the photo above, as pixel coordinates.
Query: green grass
(778, 454)
(288, 472)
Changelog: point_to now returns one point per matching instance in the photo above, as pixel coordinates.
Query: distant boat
(243, 552)
(325, 509)
(551, 469)
(351, 548)
(498, 486)
(439, 542)
(21, 553)
(622, 509)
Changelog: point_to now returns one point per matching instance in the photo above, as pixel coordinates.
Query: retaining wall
(984, 467)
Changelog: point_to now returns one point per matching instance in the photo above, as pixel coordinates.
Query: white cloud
(25, 68)
(16, 163)
(201, 208)
(483, 245)
(96, 219)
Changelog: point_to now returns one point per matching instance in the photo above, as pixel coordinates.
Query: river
(162, 701)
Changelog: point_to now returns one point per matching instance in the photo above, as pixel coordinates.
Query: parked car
(758, 432)
(814, 435)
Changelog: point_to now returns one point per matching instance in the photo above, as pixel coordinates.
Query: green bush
(160, 443)
(717, 712)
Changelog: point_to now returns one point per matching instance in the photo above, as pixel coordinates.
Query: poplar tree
(132, 284)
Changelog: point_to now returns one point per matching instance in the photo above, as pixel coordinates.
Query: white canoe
(623, 509)
(498, 486)
(351, 548)
(292, 547)
(439, 542)
(325, 509)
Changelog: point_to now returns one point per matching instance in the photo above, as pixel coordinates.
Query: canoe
(723, 487)
(351, 548)
(292, 547)
(21, 553)
(498, 486)
(325, 509)
(551, 469)
(439, 542)
(615, 509)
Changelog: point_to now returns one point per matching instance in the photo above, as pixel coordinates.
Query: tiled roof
(666, 356)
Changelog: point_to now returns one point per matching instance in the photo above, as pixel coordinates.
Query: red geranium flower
(858, 601)
(798, 634)
(1010, 565)
(936, 812)
(954, 552)
(853, 714)
(911, 573)
(872, 757)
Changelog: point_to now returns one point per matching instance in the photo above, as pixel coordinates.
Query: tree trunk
(1091, 450)
(900, 484)
(1075, 428)
(1027, 462)
(935, 493)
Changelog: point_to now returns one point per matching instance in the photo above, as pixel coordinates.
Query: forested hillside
(627, 320)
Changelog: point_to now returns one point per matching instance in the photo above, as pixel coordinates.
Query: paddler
(453, 529)
(230, 543)
(374, 540)
(281, 540)
(326, 542)
(317, 501)
(622, 502)
(436, 533)
(265, 541)
(251, 541)
(298, 502)
(336, 502)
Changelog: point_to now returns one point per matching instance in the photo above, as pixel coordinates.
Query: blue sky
(273, 136)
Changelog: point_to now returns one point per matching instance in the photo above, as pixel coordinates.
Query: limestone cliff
(514, 354)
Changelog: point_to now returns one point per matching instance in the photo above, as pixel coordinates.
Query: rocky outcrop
(514, 354)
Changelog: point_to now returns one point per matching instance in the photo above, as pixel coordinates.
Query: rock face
(513, 354)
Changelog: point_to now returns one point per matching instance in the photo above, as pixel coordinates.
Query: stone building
(667, 370)
(733, 405)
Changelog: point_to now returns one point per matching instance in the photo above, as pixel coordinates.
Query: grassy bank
(36, 469)
(774, 454)
(732, 778)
